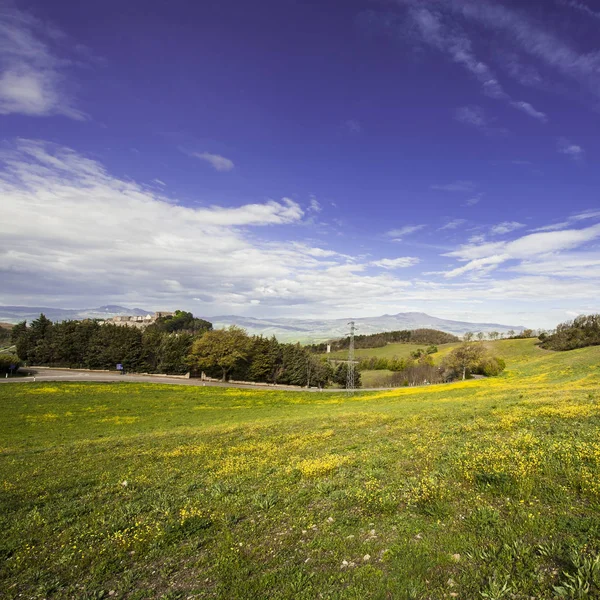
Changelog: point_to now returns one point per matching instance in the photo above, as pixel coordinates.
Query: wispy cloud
(534, 40)
(402, 262)
(216, 161)
(433, 26)
(474, 200)
(399, 233)
(486, 256)
(462, 185)
(573, 151)
(506, 227)
(581, 7)
(475, 116)
(454, 43)
(33, 78)
(314, 205)
(576, 218)
(454, 224)
(529, 110)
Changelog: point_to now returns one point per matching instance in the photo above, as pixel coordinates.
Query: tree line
(378, 340)
(173, 345)
(160, 348)
(581, 332)
(232, 354)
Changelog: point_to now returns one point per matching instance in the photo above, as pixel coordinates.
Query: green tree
(340, 376)
(173, 351)
(464, 359)
(181, 321)
(222, 349)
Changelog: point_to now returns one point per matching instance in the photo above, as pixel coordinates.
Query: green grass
(514, 351)
(371, 379)
(388, 351)
(469, 488)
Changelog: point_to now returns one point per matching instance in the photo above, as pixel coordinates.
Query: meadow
(477, 489)
(398, 350)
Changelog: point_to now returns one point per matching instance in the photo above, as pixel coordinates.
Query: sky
(302, 158)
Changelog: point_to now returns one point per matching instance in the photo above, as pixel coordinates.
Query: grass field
(482, 489)
(511, 350)
(389, 351)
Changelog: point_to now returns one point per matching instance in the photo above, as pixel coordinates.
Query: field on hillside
(511, 350)
(479, 489)
(389, 351)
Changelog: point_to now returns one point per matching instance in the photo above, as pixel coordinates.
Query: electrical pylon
(350, 384)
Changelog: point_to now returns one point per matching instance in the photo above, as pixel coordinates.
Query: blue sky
(302, 158)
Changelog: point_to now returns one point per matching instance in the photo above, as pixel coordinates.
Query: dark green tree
(220, 349)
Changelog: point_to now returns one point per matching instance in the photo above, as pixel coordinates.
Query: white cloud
(216, 161)
(571, 150)
(454, 224)
(529, 110)
(473, 200)
(314, 205)
(576, 218)
(456, 45)
(397, 234)
(455, 186)
(70, 230)
(472, 115)
(32, 76)
(73, 235)
(505, 227)
(396, 263)
(492, 254)
(481, 265)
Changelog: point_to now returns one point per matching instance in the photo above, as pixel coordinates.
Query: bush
(583, 331)
(491, 366)
(8, 360)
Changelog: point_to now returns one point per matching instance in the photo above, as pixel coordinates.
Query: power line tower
(350, 384)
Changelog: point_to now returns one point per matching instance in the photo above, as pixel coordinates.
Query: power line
(350, 382)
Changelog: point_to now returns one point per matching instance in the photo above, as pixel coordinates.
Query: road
(48, 374)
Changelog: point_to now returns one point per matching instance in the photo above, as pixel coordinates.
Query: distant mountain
(284, 329)
(318, 330)
(14, 314)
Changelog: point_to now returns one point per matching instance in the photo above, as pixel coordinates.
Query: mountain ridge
(287, 329)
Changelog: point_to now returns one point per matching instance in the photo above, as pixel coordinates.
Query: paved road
(46, 374)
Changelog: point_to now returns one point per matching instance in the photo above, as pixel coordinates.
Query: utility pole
(350, 384)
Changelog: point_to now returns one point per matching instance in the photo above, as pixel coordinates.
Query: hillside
(284, 329)
(150, 490)
(319, 330)
(514, 352)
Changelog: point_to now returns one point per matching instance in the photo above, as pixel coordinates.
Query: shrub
(8, 360)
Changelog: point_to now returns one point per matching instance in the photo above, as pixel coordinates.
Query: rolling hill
(284, 329)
